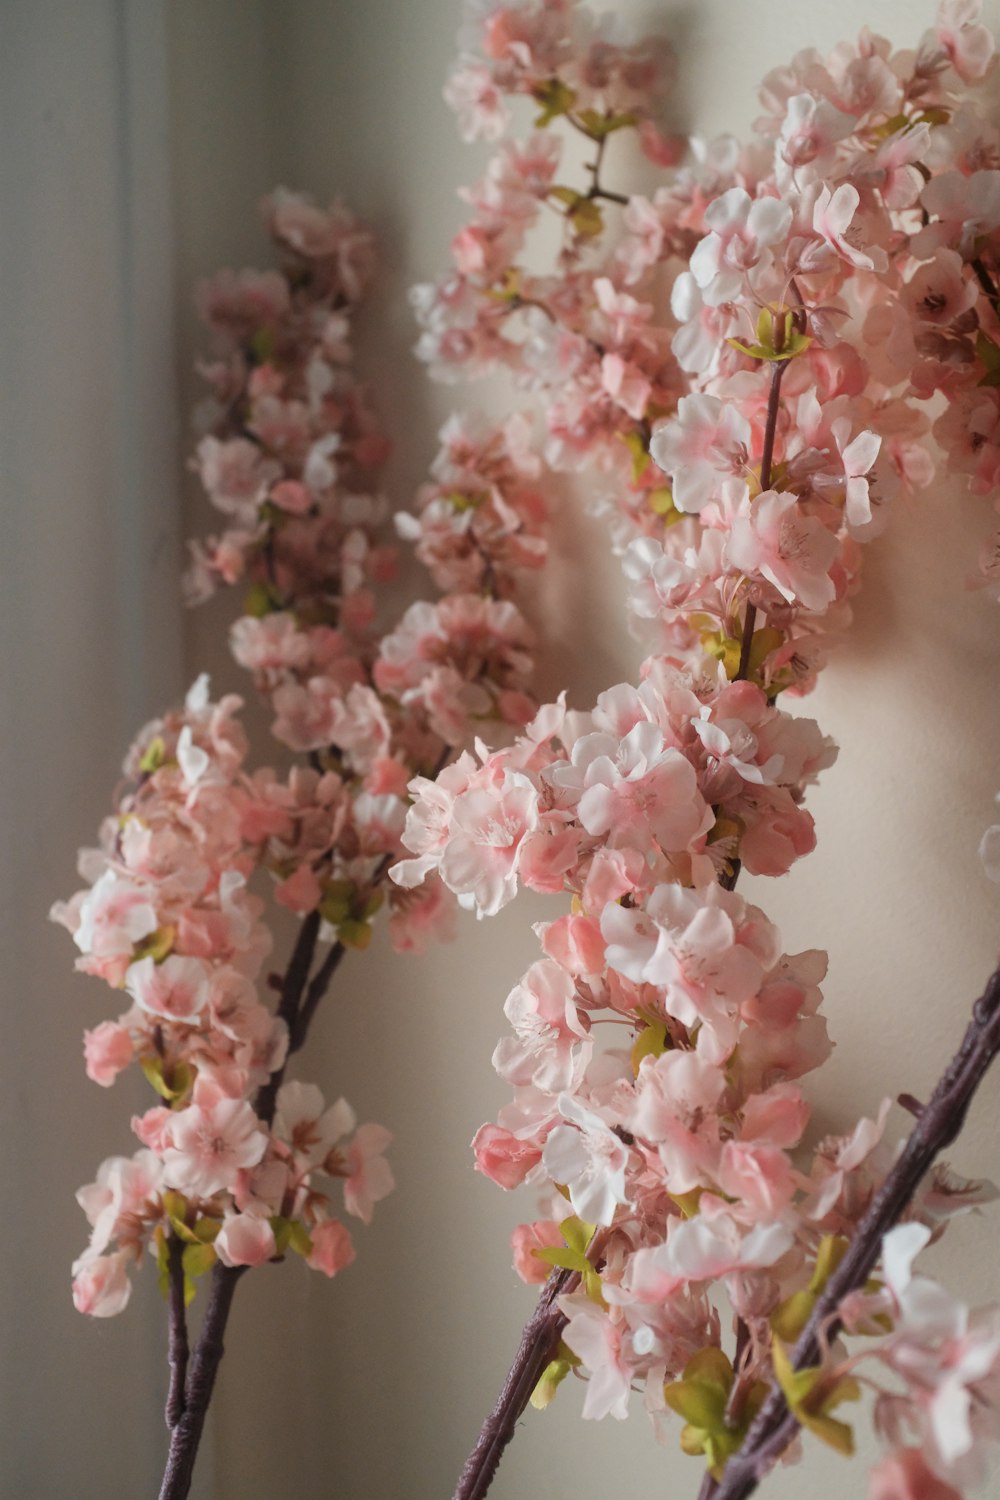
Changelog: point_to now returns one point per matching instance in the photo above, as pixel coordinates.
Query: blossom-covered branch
(824, 282)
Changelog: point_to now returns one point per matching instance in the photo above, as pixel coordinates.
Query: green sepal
(552, 1376)
(206, 1230)
(651, 1042)
(182, 1076)
(639, 453)
(154, 756)
(157, 946)
(262, 599)
(281, 1228)
(299, 1239)
(337, 901)
(583, 213)
(777, 337)
(555, 97)
(355, 934)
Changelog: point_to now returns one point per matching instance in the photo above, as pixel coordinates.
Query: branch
(186, 1435)
(540, 1336)
(940, 1122)
(766, 460)
(177, 1337)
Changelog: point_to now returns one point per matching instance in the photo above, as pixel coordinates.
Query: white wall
(371, 1387)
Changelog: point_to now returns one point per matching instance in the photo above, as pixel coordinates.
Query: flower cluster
(823, 284)
(290, 458)
(168, 917)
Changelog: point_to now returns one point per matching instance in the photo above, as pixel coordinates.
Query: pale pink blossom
(369, 1176)
(792, 550)
(177, 988)
(245, 1240)
(332, 1247)
(210, 1143)
(588, 1158)
(741, 229)
(706, 442)
(100, 1285)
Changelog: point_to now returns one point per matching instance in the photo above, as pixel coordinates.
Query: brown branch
(186, 1434)
(766, 460)
(939, 1123)
(177, 1337)
(539, 1339)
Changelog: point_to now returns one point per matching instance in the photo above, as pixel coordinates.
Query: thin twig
(177, 1336)
(940, 1121)
(766, 460)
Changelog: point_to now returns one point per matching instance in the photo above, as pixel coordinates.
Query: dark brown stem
(318, 987)
(293, 986)
(986, 282)
(940, 1121)
(538, 1341)
(186, 1434)
(177, 1337)
(766, 461)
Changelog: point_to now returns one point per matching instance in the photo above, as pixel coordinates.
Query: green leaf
(599, 126)
(555, 97)
(197, 1259)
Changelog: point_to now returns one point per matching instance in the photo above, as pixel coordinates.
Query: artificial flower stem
(939, 1124)
(538, 1340)
(186, 1435)
(766, 460)
(177, 1346)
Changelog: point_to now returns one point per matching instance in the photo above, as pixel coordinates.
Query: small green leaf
(555, 97)
(599, 126)
(197, 1259)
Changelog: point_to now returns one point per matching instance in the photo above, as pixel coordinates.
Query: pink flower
(332, 1247)
(526, 1239)
(503, 1157)
(107, 1050)
(969, 45)
(833, 218)
(741, 229)
(245, 1240)
(596, 1340)
(480, 859)
(370, 1178)
(904, 1475)
(588, 1158)
(792, 550)
(707, 442)
(178, 988)
(100, 1285)
(114, 915)
(551, 1044)
(210, 1143)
